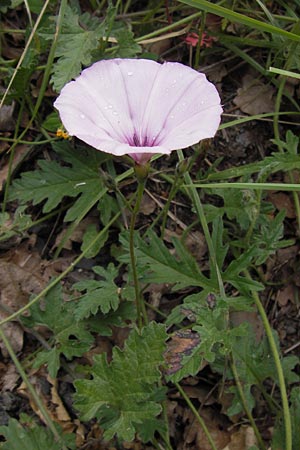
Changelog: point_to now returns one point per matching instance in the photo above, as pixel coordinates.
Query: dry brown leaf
(20, 153)
(282, 200)
(251, 317)
(242, 439)
(47, 393)
(9, 377)
(179, 345)
(77, 234)
(148, 205)
(217, 426)
(7, 122)
(285, 295)
(254, 97)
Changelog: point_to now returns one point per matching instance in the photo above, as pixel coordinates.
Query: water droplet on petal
(129, 74)
(172, 116)
(115, 113)
(82, 116)
(109, 106)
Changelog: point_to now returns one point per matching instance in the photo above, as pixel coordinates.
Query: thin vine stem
(279, 369)
(30, 388)
(197, 416)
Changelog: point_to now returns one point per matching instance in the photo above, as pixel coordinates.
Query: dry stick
(30, 388)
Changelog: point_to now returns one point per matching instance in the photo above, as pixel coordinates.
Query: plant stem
(245, 406)
(140, 306)
(279, 369)
(30, 388)
(200, 212)
(197, 415)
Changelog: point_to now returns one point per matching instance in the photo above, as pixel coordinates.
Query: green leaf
(268, 238)
(71, 338)
(240, 18)
(271, 164)
(89, 235)
(11, 226)
(128, 48)
(183, 356)
(35, 437)
(80, 35)
(278, 441)
(52, 182)
(158, 265)
(217, 240)
(125, 394)
(254, 363)
(100, 294)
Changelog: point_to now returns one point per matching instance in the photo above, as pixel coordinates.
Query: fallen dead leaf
(148, 205)
(20, 153)
(254, 97)
(216, 424)
(77, 234)
(285, 295)
(281, 200)
(243, 439)
(9, 377)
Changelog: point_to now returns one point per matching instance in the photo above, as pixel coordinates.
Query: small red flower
(193, 38)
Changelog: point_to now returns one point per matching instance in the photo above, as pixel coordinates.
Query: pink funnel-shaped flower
(139, 107)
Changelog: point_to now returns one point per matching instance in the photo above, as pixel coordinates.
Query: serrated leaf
(79, 37)
(124, 394)
(128, 48)
(160, 266)
(183, 356)
(90, 235)
(254, 363)
(268, 238)
(34, 438)
(52, 182)
(100, 295)
(71, 338)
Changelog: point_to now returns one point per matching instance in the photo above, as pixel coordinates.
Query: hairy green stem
(279, 369)
(30, 388)
(200, 213)
(166, 208)
(245, 406)
(140, 306)
(197, 415)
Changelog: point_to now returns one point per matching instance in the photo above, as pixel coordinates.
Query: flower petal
(139, 107)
